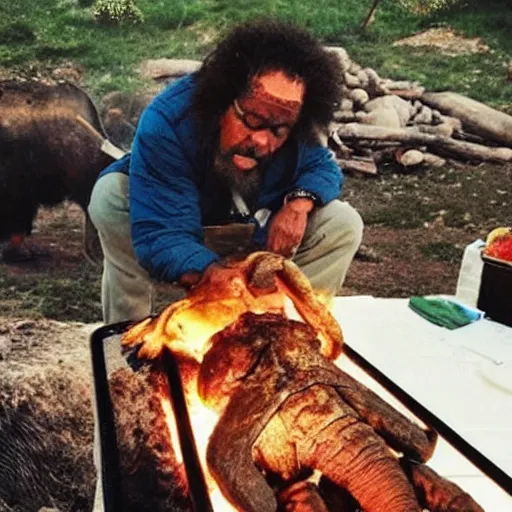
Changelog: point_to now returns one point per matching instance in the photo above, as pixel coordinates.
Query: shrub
(116, 12)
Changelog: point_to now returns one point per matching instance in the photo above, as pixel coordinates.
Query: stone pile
(380, 119)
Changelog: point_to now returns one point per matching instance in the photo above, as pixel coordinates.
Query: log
(466, 150)
(433, 160)
(341, 150)
(475, 116)
(365, 165)
(470, 137)
(444, 129)
(344, 116)
(165, 68)
(401, 84)
(408, 94)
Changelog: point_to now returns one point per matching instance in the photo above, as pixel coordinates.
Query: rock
(351, 80)
(423, 116)
(410, 158)
(346, 104)
(363, 78)
(344, 90)
(416, 107)
(24, 325)
(359, 96)
(375, 86)
(437, 117)
(342, 55)
(454, 122)
(354, 68)
(120, 130)
(408, 94)
(384, 116)
(130, 104)
(402, 107)
(366, 253)
(120, 113)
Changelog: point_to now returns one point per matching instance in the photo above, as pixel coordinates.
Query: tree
(371, 14)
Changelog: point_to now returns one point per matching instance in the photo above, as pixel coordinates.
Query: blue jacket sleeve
(164, 202)
(318, 172)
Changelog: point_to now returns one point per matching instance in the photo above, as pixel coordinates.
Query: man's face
(258, 123)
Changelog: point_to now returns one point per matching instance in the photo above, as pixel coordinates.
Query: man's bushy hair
(265, 45)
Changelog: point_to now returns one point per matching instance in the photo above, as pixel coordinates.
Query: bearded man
(235, 142)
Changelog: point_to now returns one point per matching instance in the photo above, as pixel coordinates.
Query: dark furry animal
(46, 155)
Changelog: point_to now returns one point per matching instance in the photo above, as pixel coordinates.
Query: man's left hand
(288, 227)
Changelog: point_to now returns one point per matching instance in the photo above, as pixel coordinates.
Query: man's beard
(246, 183)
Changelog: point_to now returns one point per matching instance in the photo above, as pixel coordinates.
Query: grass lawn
(45, 33)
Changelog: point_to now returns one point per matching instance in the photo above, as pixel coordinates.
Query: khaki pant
(332, 237)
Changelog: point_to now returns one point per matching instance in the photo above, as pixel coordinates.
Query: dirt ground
(417, 224)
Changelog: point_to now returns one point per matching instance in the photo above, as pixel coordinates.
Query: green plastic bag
(443, 312)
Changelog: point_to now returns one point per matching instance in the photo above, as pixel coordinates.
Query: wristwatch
(300, 193)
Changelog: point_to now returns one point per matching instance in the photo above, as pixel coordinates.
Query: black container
(495, 296)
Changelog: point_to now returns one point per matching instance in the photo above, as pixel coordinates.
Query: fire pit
(284, 427)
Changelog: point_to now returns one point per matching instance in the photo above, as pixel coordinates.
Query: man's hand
(288, 227)
(215, 275)
(190, 279)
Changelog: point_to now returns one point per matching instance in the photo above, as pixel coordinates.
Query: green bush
(116, 12)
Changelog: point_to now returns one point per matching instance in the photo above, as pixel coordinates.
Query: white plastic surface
(460, 376)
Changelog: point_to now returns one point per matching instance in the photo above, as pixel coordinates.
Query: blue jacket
(173, 191)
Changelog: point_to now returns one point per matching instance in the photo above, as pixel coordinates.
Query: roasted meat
(259, 283)
(286, 411)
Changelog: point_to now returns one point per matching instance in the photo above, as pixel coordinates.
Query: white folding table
(462, 376)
